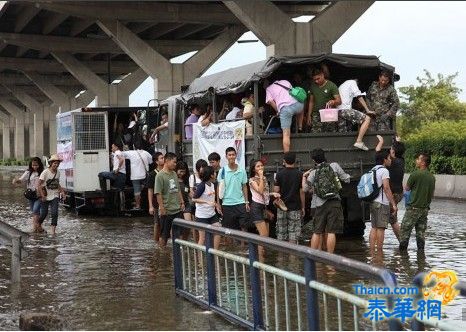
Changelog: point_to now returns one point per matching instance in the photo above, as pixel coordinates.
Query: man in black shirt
(288, 184)
(158, 159)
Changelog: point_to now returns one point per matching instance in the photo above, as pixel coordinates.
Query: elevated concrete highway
(50, 51)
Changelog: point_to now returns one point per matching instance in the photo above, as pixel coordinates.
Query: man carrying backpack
(325, 184)
(380, 206)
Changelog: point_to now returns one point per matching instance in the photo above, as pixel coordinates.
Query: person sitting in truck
(286, 106)
(139, 163)
(188, 125)
(349, 90)
(206, 118)
(118, 174)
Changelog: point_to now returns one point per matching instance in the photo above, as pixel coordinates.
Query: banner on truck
(216, 137)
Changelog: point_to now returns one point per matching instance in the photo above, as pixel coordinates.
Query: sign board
(216, 137)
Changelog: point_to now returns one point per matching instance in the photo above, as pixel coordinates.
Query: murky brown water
(106, 274)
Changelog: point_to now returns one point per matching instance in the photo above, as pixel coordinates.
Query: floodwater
(107, 274)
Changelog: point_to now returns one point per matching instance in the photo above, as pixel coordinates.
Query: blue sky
(411, 36)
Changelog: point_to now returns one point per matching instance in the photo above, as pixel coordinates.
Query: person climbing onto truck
(118, 174)
(349, 90)
(279, 98)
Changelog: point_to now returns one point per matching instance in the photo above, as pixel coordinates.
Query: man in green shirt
(323, 94)
(169, 197)
(422, 185)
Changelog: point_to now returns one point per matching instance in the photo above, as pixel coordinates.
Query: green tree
(434, 99)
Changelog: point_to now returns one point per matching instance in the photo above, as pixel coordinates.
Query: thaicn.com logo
(438, 289)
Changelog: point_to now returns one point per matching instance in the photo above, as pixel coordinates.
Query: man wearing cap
(349, 90)
(50, 192)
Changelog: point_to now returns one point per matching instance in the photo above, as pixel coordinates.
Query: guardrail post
(177, 260)
(211, 286)
(255, 288)
(312, 303)
(16, 260)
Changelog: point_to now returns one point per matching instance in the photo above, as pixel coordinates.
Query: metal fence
(263, 297)
(13, 239)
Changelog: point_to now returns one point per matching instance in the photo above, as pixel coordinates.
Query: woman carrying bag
(31, 179)
(50, 191)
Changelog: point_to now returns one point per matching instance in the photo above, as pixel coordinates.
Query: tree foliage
(434, 99)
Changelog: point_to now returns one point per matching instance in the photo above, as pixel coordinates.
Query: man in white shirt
(139, 162)
(380, 207)
(118, 174)
(348, 91)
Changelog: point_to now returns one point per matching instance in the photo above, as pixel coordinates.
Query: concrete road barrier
(448, 186)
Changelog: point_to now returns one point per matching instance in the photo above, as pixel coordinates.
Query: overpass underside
(59, 55)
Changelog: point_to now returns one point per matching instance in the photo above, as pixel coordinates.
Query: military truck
(229, 84)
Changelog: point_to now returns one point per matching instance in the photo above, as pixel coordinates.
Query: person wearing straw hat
(50, 191)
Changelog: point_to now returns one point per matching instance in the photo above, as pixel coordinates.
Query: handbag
(296, 92)
(30, 194)
(144, 181)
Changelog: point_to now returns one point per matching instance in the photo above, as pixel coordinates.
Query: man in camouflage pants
(383, 100)
(422, 185)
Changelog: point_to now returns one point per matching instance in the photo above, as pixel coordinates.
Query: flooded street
(106, 274)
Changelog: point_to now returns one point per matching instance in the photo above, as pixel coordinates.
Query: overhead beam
(79, 26)
(26, 15)
(58, 97)
(189, 30)
(52, 22)
(153, 63)
(19, 79)
(164, 28)
(88, 45)
(52, 66)
(163, 12)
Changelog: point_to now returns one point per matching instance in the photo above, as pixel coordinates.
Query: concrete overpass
(50, 51)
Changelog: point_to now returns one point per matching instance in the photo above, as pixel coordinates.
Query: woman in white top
(50, 191)
(205, 199)
(31, 179)
(260, 199)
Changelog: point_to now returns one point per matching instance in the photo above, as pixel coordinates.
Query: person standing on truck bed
(139, 163)
(188, 125)
(169, 197)
(324, 94)
(286, 106)
(118, 174)
(158, 159)
(383, 100)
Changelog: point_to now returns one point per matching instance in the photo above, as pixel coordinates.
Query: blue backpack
(368, 190)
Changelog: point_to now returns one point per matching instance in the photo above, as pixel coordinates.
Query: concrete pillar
(18, 115)
(6, 134)
(106, 94)
(168, 77)
(50, 116)
(30, 116)
(282, 36)
(37, 109)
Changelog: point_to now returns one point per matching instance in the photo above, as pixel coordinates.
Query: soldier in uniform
(422, 185)
(383, 100)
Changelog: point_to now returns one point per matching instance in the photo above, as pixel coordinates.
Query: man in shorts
(235, 204)
(328, 218)
(169, 197)
(380, 207)
(288, 184)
